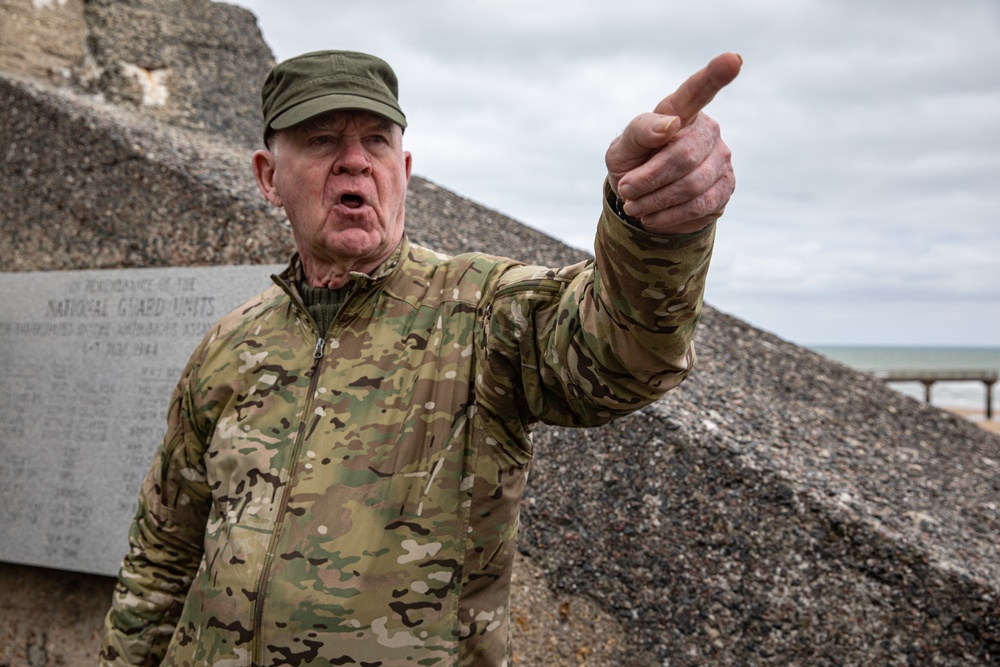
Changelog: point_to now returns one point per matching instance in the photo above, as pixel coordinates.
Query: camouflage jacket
(353, 499)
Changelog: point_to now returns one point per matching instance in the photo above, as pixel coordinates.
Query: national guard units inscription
(88, 360)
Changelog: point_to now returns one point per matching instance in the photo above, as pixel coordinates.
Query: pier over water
(929, 377)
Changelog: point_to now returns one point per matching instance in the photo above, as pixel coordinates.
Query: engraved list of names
(88, 360)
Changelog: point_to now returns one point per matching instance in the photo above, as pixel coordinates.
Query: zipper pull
(487, 316)
(320, 344)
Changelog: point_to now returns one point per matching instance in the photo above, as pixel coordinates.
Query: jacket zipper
(343, 317)
(256, 648)
(547, 285)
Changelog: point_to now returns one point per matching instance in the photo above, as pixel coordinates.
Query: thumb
(645, 134)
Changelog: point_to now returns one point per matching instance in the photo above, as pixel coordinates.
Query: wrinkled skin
(670, 166)
(341, 179)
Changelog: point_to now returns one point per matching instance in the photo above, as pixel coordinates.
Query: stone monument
(89, 361)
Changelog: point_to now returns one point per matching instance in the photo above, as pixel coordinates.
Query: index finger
(695, 93)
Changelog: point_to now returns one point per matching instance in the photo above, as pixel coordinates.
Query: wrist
(617, 205)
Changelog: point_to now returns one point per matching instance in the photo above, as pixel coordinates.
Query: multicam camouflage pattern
(354, 501)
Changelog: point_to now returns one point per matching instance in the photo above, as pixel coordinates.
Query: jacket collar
(290, 278)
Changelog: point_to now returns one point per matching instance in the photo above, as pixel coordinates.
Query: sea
(968, 397)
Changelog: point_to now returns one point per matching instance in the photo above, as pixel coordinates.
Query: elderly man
(345, 454)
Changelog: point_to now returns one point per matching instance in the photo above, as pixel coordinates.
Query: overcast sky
(866, 138)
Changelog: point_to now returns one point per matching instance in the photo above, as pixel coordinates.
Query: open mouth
(352, 201)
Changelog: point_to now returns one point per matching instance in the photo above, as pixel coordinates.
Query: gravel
(777, 509)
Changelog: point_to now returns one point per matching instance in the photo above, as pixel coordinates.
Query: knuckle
(701, 207)
(687, 157)
(717, 198)
(708, 204)
(730, 181)
(710, 123)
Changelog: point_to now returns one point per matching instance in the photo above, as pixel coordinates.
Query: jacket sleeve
(583, 345)
(166, 541)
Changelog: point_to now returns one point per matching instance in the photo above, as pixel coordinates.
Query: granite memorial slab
(88, 360)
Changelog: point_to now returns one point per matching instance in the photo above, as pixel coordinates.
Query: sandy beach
(979, 418)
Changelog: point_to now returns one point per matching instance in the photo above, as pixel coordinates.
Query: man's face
(341, 179)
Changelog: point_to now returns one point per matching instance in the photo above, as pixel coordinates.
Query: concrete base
(51, 617)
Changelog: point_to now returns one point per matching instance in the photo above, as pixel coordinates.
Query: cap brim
(320, 105)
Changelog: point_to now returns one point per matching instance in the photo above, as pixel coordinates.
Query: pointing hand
(670, 166)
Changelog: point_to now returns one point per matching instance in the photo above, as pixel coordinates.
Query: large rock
(191, 63)
(91, 185)
(777, 509)
(43, 40)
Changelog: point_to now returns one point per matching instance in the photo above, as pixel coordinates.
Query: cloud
(864, 134)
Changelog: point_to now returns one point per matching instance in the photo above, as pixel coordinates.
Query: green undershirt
(324, 304)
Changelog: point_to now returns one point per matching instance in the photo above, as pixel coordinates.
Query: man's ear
(263, 171)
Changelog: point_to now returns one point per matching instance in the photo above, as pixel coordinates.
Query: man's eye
(321, 140)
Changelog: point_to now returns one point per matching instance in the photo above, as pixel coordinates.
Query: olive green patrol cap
(314, 83)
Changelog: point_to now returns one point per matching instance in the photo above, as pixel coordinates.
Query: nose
(353, 159)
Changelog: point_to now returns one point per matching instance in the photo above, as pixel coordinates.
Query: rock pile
(194, 64)
(778, 508)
